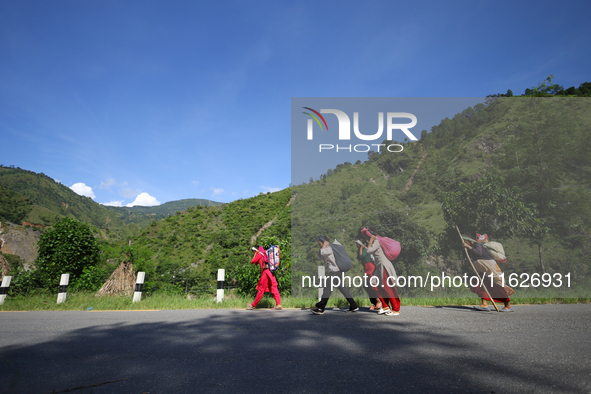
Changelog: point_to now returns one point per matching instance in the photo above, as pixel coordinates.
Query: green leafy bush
(23, 282)
(92, 278)
(68, 247)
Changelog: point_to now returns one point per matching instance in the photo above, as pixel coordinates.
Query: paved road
(538, 349)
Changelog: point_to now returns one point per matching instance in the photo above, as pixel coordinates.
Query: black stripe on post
(63, 289)
(3, 290)
(220, 285)
(138, 287)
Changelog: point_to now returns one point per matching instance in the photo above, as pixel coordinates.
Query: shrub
(68, 247)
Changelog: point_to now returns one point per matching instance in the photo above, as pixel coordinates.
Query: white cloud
(83, 190)
(270, 189)
(196, 183)
(216, 191)
(144, 200)
(113, 203)
(107, 185)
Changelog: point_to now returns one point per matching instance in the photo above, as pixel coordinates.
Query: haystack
(121, 282)
(4, 267)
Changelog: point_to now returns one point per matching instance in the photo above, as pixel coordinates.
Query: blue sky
(171, 100)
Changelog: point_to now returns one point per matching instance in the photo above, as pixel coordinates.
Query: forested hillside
(26, 196)
(143, 216)
(537, 148)
(14, 207)
(52, 200)
(187, 249)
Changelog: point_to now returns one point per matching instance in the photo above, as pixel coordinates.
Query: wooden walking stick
(477, 274)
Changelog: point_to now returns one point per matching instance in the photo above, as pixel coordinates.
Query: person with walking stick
(487, 268)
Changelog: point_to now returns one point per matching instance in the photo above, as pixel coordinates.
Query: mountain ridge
(37, 199)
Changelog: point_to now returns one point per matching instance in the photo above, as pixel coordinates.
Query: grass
(81, 301)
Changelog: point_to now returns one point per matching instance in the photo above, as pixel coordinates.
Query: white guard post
(220, 292)
(64, 281)
(139, 283)
(320, 276)
(4, 288)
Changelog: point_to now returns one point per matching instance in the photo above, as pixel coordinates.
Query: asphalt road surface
(537, 349)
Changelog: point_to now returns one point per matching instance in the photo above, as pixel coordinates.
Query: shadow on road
(270, 351)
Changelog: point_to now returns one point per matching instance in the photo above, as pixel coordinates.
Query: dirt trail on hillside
(409, 183)
(253, 239)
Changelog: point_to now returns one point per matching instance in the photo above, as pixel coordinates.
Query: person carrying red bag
(386, 274)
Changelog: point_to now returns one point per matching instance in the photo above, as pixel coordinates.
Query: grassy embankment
(80, 301)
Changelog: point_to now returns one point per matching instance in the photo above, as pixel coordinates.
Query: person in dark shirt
(327, 255)
(486, 265)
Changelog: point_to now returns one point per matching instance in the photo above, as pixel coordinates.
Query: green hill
(178, 244)
(143, 216)
(52, 200)
(26, 196)
(14, 207)
(187, 248)
(540, 147)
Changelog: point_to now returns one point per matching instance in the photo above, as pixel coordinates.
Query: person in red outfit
(386, 274)
(267, 282)
(368, 268)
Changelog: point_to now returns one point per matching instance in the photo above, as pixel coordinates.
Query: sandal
(383, 310)
(278, 308)
(249, 306)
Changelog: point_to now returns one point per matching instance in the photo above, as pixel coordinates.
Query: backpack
(390, 247)
(274, 255)
(497, 252)
(341, 257)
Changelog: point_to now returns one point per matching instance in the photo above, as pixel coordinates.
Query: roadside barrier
(61, 295)
(220, 291)
(4, 288)
(139, 283)
(137, 295)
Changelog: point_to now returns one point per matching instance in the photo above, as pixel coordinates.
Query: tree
(13, 206)
(546, 159)
(545, 88)
(487, 207)
(67, 248)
